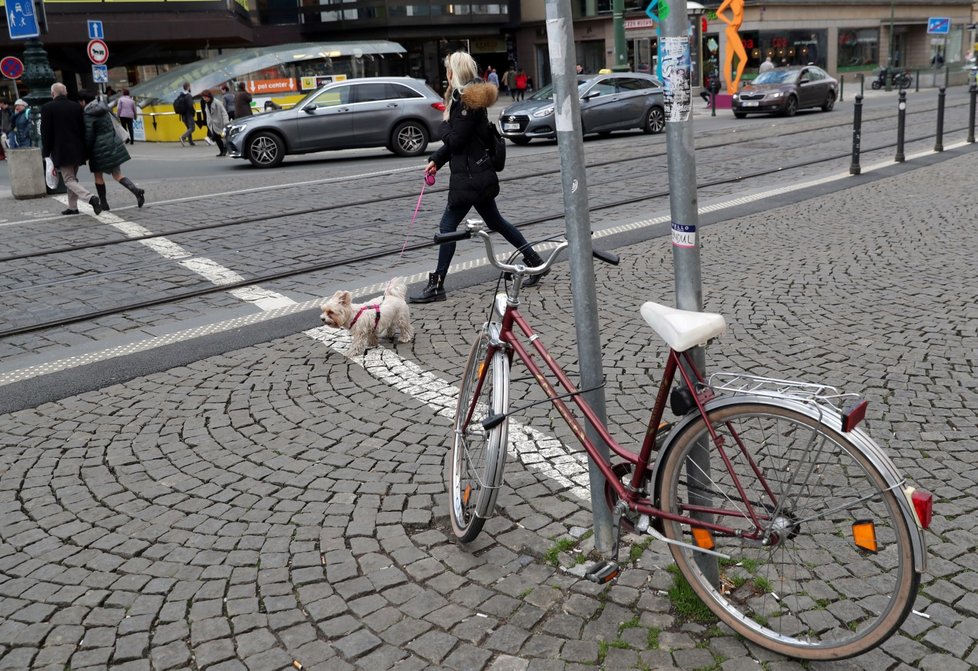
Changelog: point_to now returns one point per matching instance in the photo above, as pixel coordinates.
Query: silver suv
(614, 101)
(400, 113)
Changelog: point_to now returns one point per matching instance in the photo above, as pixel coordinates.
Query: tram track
(389, 252)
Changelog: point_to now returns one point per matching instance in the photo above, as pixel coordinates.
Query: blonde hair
(463, 69)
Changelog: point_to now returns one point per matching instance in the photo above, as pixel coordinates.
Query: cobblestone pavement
(282, 505)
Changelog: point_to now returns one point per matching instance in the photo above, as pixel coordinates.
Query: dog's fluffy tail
(397, 288)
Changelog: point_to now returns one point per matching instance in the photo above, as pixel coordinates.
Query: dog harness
(373, 306)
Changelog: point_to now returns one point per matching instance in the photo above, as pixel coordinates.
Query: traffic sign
(12, 68)
(100, 74)
(938, 25)
(95, 31)
(21, 20)
(98, 52)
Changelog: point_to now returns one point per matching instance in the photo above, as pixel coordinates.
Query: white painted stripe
(211, 271)
(263, 299)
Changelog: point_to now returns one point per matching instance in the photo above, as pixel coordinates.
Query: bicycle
(815, 540)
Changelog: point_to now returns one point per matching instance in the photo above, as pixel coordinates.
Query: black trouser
(218, 140)
(127, 124)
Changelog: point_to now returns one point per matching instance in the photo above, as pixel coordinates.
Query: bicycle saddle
(683, 329)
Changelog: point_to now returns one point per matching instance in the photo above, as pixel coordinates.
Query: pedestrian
(5, 114)
(126, 109)
(217, 119)
(106, 150)
(63, 141)
(520, 84)
(768, 64)
(184, 106)
(473, 182)
(580, 69)
(508, 85)
(227, 95)
(493, 77)
(242, 102)
(19, 135)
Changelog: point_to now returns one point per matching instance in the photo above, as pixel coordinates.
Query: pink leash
(411, 225)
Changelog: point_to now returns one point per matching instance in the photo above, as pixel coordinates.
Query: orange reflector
(923, 503)
(482, 367)
(466, 494)
(864, 535)
(703, 538)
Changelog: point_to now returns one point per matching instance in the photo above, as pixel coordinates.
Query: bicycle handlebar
(475, 226)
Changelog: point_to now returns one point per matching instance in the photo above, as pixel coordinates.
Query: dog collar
(373, 306)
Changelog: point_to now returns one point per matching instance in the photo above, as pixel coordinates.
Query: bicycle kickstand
(607, 570)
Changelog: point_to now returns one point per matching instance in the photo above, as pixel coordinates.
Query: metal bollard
(972, 92)
(842, 86)
(901, 125)
(713, 102)
(939, 142)
(916, 82)
(857, 122)
(862, 83)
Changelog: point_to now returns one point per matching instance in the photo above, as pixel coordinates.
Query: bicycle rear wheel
(811, 593)
(478, 455)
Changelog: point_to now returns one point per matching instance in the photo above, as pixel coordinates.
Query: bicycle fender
(832, 419)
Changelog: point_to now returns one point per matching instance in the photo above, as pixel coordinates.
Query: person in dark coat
(63, 141)
(19, 135)
(187, 114)
(242, 102)
(465, 138)
(106, 152)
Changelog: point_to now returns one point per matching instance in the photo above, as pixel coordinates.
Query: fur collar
(478, 93)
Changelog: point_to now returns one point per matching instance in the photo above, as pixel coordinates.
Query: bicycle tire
(478, 456)
(813, 594)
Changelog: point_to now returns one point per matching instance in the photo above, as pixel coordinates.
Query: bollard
(713, 103)
(916, 82)
(972, 92)
(901, 125)
(842, 86)
(862, 83)
(857, 122)
(947, 74)
(939, 141)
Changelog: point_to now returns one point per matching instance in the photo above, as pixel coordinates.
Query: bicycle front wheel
(806, 581)
(478, 455)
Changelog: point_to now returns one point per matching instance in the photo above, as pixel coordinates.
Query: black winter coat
(63, 132)
(106, 152)
(465, 138)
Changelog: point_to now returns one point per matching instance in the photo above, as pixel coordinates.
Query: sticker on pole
(683, 235)
(676, 86)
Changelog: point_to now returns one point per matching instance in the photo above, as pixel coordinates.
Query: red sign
(98, 52)
(11, 67)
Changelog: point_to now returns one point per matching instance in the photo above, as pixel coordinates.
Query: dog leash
(413, 218)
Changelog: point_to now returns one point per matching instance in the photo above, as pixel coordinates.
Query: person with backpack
(466, 145)
(184, 106)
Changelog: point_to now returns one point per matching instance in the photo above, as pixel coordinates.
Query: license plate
(749, 103)
(511, 126)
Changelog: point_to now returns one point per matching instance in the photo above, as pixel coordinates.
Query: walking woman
(217, 119)
(106, 151)
(127, 114)
(473, 183)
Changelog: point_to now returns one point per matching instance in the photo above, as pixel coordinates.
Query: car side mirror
(309, 109)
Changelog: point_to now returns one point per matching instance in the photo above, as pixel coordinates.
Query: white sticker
(675, 62)
(683, 235)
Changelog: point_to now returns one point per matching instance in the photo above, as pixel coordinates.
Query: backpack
(180, 104)
(496, 148)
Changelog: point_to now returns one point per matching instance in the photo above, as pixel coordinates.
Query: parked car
(785, 91)
(400, 113)
(615, 101)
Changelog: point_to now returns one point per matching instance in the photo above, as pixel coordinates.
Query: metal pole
(862, 83)
(889, 57)
(972, 92)
(857, 123)
(570, 145)
(713, 102)
(842, 86)
(618, 25)
(901, 124)
(939, 141)
(674, 54)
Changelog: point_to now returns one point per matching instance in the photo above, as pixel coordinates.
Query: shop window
(859, 48)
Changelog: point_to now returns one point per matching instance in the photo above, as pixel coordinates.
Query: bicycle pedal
(603, 572)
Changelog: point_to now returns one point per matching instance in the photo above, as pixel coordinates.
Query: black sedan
(785, 91)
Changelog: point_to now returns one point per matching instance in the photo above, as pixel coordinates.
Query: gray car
(614, 101)
(785, 91)
(400, 113)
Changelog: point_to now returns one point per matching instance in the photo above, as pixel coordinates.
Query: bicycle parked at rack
(788, 521)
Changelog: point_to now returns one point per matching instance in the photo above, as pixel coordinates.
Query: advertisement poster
(675, 62)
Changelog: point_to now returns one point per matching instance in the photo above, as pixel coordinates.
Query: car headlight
(776, 94)
(736, 96)
(540, 113)
(235, 129)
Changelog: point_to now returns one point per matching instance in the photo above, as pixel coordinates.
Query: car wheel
(740, 115)
(875, 85)
(655, 120)
(791, 106)
(409, 138)
(265, 150)
(829, 102)
(519, 140)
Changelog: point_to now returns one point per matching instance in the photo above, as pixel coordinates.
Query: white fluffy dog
(382, 315)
